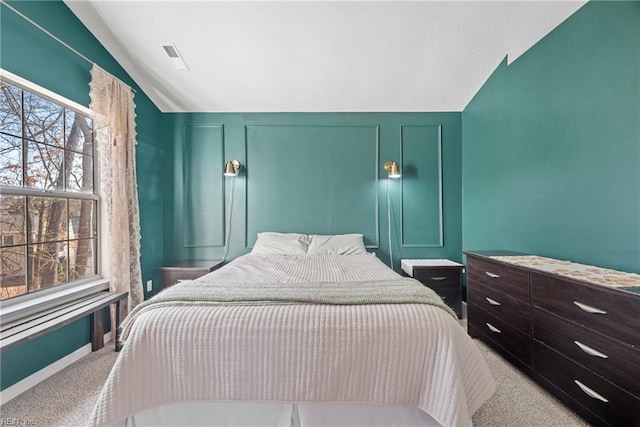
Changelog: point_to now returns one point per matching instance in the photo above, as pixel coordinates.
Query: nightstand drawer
(513, 310)
(608, 402)
(453, 298)
(501, 333)
(609, 359)
(510, 280)
(610, 312)
(171, 277)
(436, 278)
(187, 270)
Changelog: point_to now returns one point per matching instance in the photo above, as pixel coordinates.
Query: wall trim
(375, 127)
(439, 244)
(191, 245)
(48, 371)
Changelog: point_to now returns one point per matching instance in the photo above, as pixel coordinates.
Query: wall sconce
(393, 169)
(394, 173)
(231, 168)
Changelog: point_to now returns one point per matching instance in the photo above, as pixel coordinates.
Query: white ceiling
(304, 56)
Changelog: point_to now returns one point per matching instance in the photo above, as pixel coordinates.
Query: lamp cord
(389, 222)
(229, 211)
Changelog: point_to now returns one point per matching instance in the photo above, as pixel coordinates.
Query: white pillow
(340, 244)
(280, 244)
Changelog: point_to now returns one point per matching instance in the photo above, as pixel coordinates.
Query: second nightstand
(186, 270)
(441, 275)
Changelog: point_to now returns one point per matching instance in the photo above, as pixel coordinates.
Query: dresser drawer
(438, 278)
(610, 312)
(501, 333)
(513, 310)
(587, 389)
(610, 359)
(510, 280)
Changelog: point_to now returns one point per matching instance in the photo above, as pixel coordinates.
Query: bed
(295, 339)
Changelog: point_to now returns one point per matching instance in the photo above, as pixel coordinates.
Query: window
(48, 204)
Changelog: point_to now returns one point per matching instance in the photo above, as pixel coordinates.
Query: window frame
(13, 309)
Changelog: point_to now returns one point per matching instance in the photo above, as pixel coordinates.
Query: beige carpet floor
(66, 399)
(518, 401)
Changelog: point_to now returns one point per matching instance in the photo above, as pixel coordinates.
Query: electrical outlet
(149, 285)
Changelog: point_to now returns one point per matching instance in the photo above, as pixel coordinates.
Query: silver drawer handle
(492, 301)
(590, 351)
(438, 278)
(589, 309)
(493, 328)
(495, 276)
(590, 392)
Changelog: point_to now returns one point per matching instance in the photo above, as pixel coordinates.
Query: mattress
(392, 354)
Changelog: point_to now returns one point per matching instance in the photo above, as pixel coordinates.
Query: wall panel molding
(421, 212)
(202, 213)
(317, 179)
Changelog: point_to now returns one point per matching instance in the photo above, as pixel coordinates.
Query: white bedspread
(408, 354)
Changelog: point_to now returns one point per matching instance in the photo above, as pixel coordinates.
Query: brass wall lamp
(231, 168)
(393, 169)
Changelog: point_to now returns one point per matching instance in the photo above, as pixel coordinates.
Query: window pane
(80, 173)
(43, 120)
(10, 109)
(48, 265)
(12, 225)
(45, 241)
(82, 220)
(12, 272)
(78, 129)
(10, 160)
(44, 166)
(81, 258)
(47, 219)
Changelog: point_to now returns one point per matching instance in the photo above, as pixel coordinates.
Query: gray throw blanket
(398, 291)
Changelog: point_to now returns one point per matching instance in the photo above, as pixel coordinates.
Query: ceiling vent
(172, 52)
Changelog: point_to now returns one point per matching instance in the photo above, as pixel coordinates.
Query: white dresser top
(408, 264)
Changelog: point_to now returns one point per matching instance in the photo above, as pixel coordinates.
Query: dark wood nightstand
(441, 275)
(186, 270)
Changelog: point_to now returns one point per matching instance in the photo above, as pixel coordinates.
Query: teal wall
(29, 53)
(318, 173)
(551, 152)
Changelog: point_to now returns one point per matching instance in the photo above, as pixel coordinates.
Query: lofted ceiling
(302, 56)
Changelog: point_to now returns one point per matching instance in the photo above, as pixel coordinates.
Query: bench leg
(117, 331)
(97, 330)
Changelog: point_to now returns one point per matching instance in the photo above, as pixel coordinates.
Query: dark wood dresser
(575, 329)
(186, 270)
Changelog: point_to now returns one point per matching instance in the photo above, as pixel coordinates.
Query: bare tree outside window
(48, 237)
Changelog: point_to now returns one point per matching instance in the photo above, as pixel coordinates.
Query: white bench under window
(20, 331)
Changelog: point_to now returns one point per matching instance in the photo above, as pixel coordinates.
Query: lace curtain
(115, 141)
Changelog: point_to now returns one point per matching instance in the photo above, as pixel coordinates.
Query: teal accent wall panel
(312, 179)
(29, 53)
(320, 173)
(202, 159)
(421, 148)
(551, 152)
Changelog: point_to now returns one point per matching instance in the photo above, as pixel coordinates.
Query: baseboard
(34, 379)
(464, 310)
